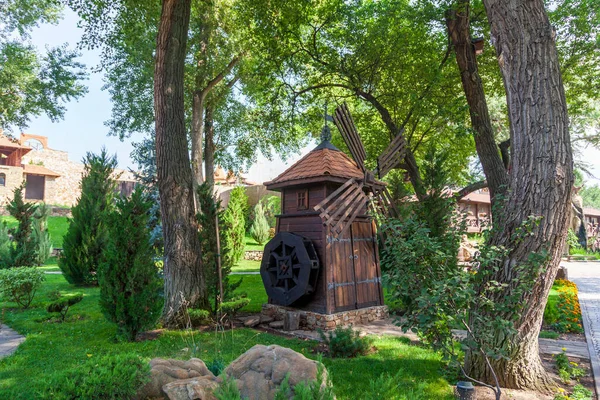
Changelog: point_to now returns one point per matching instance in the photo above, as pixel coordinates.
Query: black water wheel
(289, 268)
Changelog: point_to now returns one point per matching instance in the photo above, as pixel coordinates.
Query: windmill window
(302, 200)
(2, 179)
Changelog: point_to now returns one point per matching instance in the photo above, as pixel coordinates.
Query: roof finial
(325, 132)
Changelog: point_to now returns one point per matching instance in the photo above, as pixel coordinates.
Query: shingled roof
(325, 162)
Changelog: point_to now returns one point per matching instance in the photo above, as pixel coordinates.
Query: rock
(265, 319)
(200, 388)
(261, 369)
(291, 321)
(276, 324)
(164, 371)
(252, 321)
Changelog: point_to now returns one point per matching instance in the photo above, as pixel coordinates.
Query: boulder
(200, 388)
(251, 321)
(164, 371)
(260, 370)
(276, 324)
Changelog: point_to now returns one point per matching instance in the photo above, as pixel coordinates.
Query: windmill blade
(384, 198)
(341, 207)
(392, 156)
(345, 124)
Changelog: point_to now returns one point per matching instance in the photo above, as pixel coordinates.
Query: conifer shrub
(345, 342)
(87, 234)
(62, 304)
(5, 246)
(20, 284)
(40, 234)
(210, 209)
(23, 253)
(234, 222)
(130, 289)
(198, 317)
(116, 377)
(260, 227)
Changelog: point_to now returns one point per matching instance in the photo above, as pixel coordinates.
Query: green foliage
(34, 83)
(272, 207)
(386, 386)
(260, 227)
(232, 307)
(41, 235)
(106, 377)
(130, 289)
(20, 284)
(562, 311)
(198, 317)
(87, 234)
(345, 342)
(24, 251)
(5, 246)
(567, 370)
(319, 389)
(211, 211)
(234, 223)
(216, 366)
(572, 241)
(63, 303)
(228, 390)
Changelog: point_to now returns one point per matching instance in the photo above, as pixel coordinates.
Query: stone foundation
(255, 255)
(312, 321)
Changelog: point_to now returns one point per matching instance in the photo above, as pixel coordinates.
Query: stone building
(49, 174)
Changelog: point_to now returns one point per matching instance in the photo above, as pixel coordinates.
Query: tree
(260, 227)
(540, 184)
(32, 83)
(234, 222)
(87, 234)
(130, 289)
(183, 272)
(40, 234)
(23, 254)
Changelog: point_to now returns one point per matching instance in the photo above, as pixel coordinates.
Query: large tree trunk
(209, 146)
(184, 280)
(541, 178)
(197, 135)
(457, 20)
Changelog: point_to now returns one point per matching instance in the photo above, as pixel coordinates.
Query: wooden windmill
(324, 257)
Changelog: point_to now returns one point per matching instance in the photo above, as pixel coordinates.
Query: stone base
(254, 255)
(312, 321)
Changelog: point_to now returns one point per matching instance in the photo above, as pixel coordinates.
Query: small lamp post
(464, 391)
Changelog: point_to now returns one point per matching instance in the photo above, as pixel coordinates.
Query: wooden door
(366, 273)
(342, 263)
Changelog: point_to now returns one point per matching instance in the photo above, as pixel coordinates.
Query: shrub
(272, 207)
(63, 303)
(211, 210)
(129, 284)
(234, 221)
(40, 234)
(216, 366)
(106, 377)
(228, 390)
(319, 389)
(345, 342)
(232, 307)
(23, 254)
(20, 284)
(260, 227)
(5, 246)
(87, 234)
(198, 317)
(567, 369)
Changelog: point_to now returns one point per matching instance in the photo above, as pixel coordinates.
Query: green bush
(40, 234)
(130, 289)
(260, 227)
(228, 390)
(272, 207)
(319, 389)
(232, 307)
(23, 254)
(216, 366)
(106, 377)
(5, 246)
(198, 317)
(234, 221)
(345, 342)
(20, 284)
(87, 234)
(63, 303)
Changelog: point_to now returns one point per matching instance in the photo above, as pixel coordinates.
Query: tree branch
(469, 189)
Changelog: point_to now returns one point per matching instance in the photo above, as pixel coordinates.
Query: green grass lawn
(54, 347)
(251, 244)
(246, 266)
(252, 286)
(57, 227)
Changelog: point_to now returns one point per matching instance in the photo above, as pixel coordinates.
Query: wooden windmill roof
(325, 162)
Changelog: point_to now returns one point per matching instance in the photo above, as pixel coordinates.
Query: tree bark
(184, 279)
(197, 134)
(541, 178)
(209, 146)
(457, 21)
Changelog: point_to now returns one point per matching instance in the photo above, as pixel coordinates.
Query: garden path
(9, 341)
(586, 276)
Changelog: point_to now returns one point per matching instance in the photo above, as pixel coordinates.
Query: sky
(83, 129)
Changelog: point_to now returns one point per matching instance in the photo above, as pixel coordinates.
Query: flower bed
(563, 313)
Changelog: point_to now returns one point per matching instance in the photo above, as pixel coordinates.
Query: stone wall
(254, 255)
(14, 177)
(312, 321)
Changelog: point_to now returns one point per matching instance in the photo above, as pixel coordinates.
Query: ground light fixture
(464, 391)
